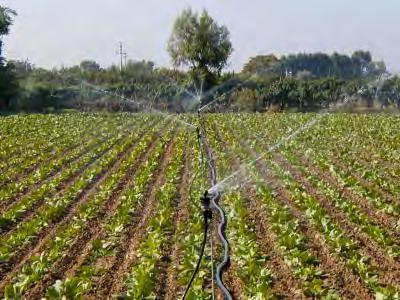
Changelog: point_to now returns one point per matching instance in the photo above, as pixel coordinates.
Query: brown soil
(169, 288)
(166, 269)
(339, 277)
(235, 283)
(112, 282)
(379, 217)
(15, 265)
(30, 213)
(368, 246)
(285, 284)
(384, 194)
(80, 248)
(6, 204)
(217, 257)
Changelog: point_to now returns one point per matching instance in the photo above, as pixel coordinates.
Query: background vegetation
(298, 82)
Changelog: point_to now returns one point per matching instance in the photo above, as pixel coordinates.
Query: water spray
(142, 105)
(208, 105)
(221, 186)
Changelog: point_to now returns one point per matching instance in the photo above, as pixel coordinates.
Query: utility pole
(27, 65)
(122, 55)
(121, 46)
(126, 59)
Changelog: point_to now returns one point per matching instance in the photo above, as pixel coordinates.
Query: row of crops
(106, 205)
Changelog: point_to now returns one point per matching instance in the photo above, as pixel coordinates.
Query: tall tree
(89, 66)
(198, 42)
(262, 64)
(6, 19)
(361, 60)
(390, 92)
(8, 80)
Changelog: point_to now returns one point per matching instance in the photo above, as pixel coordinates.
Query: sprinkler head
(205, 205)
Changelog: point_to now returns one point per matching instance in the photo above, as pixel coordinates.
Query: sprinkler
(205, 206)
(207, 213)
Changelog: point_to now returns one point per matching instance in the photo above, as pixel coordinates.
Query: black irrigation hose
(207, 213)
(221, 226)
(221, 267)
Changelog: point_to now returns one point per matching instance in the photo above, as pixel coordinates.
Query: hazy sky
(55, 32)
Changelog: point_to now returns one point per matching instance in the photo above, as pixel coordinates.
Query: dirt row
(338, 276)
(386, 264)
(381, 191)
(80, 248)
(37, 246)
(65, 185)
(231, 280)
(379, 217)
(285, 285)
(26, 191)
(112, 283)
(47, 161)
(24, 149)
(167, 287)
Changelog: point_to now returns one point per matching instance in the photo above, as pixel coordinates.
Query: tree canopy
(6, 19)
(317, 65)
(198, 42)
(8, 83)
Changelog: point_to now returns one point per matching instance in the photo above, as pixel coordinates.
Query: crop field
(97, 206)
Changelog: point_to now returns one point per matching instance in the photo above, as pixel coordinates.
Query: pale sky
(60, 32)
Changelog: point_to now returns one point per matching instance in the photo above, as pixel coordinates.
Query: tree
(262, 65)
(22, 68)
(8, 85)
(198, 42)
(139, 70)
(390, 92)
(342, 66)
(89, 66)
(8, 80)
(6, 19)
(361, 60)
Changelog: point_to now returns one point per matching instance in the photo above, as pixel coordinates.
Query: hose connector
(205, 206)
